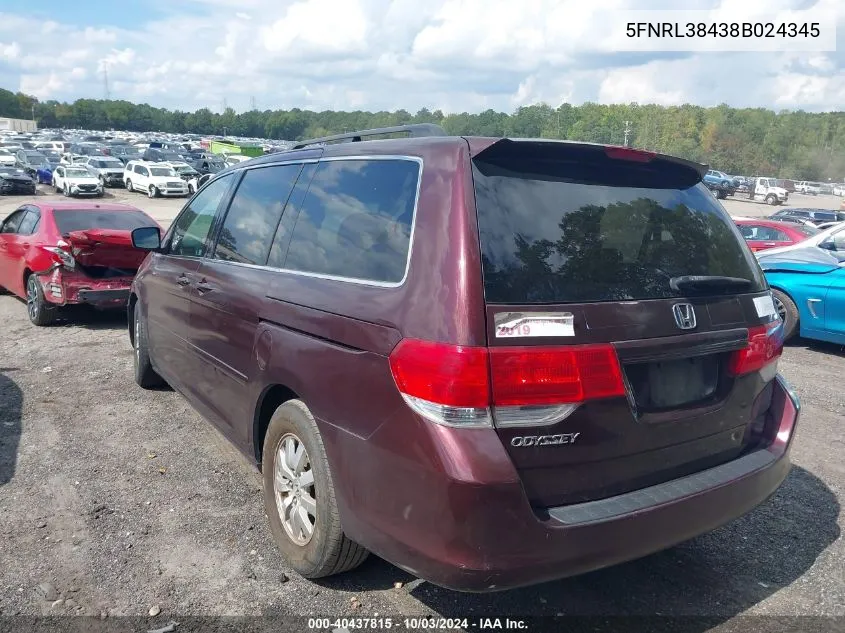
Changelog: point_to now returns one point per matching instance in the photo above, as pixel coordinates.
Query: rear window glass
(67, 220)
(562, 231)
(807, 230)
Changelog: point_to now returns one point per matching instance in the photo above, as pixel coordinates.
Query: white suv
(805, 186)
(154, 180)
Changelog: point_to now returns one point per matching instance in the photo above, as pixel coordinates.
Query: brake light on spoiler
(629, 153)
(472, 386)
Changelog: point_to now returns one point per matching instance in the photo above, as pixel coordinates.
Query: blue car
(44, 174)
(808, 286)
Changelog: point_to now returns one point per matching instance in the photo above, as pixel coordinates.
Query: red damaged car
(55, 254)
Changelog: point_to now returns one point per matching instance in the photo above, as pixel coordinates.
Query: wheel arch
(130, 314)
(271, 398)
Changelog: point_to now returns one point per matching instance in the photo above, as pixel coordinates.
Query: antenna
(106, 92)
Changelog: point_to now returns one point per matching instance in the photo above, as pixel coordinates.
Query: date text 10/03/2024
(347, 625)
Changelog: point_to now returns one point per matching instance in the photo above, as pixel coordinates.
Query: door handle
(203, 287)
(182, 280)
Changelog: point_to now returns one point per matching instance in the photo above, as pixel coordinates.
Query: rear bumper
(62, 287)
(467, 531)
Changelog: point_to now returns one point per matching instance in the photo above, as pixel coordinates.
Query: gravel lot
(125, 500)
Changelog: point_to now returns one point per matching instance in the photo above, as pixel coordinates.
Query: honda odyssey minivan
(492, 362)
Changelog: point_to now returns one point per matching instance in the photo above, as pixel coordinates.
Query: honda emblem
(684, 315)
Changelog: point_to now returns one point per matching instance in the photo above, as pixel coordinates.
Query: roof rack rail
(415, 130)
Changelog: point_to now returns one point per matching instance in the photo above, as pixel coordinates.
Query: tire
(152, 192)
(38, 310)
(326, 550)
(720, 194)
(66, 191)
(771, 200)
(55, 186)
(129, 184)
(190, 190)
(145, 375)
(103, 182)
(788, 311)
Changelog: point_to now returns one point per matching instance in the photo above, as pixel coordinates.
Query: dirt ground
(115, 501)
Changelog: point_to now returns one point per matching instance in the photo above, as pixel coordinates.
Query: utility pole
(252, 104)
(225, 104)
(627, 132)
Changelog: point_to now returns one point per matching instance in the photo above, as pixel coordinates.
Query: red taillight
(765, 344)
(454, 377)
(61, 254)
(447, 375)
(628, 153)
(525, 376)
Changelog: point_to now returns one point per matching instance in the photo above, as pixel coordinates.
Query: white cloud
(43, 86)
(453, 55)
(9, 52)
(318, 26)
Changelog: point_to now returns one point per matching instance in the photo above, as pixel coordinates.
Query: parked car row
(100, 152)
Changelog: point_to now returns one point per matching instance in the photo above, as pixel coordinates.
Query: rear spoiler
(489, 150)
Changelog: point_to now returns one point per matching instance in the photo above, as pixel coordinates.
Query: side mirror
(828, 245)
(147, 238)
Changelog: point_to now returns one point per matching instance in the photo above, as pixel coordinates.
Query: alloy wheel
(780, 308)
(32, 297)
(137, 338)
(293, 484)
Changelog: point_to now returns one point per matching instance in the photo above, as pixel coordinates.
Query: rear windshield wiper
(708, 282)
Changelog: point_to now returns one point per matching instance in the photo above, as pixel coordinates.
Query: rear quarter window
(355, 221)
(564, 230)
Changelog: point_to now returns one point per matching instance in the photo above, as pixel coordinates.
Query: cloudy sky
(456, 55)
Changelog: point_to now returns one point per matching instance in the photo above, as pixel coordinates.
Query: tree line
(748, 141)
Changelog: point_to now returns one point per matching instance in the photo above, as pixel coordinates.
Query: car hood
(809, 260)
(81, 180)
(16, 177)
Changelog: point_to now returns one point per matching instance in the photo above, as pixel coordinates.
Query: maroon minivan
(492, 362)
